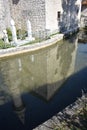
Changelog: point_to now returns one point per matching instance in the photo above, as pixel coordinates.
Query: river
(35, 86)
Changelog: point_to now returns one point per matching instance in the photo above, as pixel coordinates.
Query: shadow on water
(64, 96)
(32, 92)
(34, 109)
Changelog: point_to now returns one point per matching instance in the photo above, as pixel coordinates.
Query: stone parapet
(30, 48)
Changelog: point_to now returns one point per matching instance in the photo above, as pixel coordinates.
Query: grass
(37, 40)
(3, 45)
(32, 42)
(54, 34)
(40, 40)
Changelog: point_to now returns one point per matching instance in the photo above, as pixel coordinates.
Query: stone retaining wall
(43, 15)
(4, 16)
(29, 48)
(63, 119)
(34, 10)
(84, 16)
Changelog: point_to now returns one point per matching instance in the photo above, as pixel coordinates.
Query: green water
(35, 86)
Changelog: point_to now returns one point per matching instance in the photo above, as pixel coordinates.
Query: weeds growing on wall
(21, 34)
(3, 45)
(9, 34)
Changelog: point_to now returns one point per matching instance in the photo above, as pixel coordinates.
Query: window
(58, 15)
(77, 9)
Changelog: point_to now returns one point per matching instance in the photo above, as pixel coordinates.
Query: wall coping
(30, 48)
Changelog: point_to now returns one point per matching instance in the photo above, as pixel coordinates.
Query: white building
(46, 16)
(84, 14)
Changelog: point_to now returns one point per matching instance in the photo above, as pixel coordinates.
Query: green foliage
(9, 34)
(33, 42)
(54, 34)
(3, 45)
(21, 34)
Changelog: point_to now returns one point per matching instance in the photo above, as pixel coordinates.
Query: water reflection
(48, 68)
(40, 73)
(60, 65)
(19, 107)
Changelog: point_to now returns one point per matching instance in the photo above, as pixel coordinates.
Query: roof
(84, 2)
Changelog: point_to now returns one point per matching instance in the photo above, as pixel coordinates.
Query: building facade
(84, 14)
(46, 16)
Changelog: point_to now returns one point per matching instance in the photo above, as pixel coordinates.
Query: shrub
(3, 45)
(21, 34)
(9, 34)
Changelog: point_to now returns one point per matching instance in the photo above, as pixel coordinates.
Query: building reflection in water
(20, 64)
(18, 104)
(60, 65)
(41, 73)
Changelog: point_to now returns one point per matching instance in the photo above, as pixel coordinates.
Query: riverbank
(73, 117)
(31, 47)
